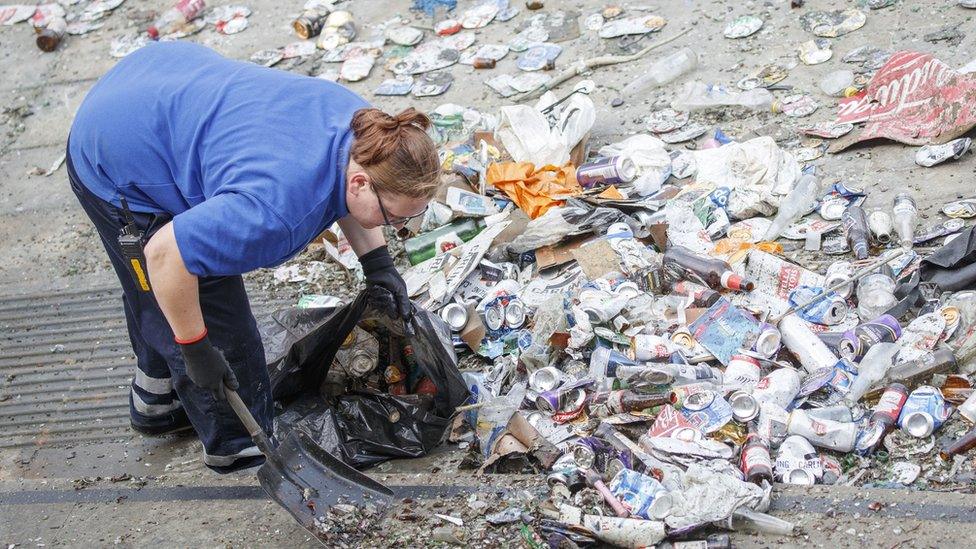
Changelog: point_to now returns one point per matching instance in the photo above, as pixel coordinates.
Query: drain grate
(66, 365)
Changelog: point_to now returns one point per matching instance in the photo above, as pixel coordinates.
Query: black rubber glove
(207, 367)
(379, 271)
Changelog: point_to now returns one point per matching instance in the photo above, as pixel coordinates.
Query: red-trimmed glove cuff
(192, 340)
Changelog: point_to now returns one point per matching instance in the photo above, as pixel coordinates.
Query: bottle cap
(733, 281)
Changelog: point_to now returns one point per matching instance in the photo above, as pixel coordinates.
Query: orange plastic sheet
(736, 250)
(534, 190)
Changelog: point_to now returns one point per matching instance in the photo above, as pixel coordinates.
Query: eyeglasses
(392, 220)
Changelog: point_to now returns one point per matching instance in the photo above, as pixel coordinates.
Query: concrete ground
(90, 482)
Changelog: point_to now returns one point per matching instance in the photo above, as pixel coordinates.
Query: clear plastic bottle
(872, 370)
(875, 296)
(173, 19)
(837, 83)
(794, 205)
(699, 96)
(663, 71)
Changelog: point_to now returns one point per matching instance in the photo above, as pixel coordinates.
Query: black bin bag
(362, 429)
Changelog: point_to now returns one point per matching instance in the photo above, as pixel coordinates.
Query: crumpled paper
(757, 171)
(534, 190)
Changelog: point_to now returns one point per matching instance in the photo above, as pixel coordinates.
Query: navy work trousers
(162, 396)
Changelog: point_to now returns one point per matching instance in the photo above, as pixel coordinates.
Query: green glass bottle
(425, 246)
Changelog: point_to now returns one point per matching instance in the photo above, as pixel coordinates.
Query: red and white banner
(915, 99)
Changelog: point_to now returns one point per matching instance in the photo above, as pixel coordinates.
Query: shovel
(307, 481)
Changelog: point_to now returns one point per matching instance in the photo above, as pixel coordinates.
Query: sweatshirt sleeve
(231, 233)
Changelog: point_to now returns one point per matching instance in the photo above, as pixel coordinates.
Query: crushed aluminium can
(888, 409)
(944, 228)
(567, 397)
(931, 155)
(742, 371)
(546, 379)
(592, 453)
(455, 315)
(744, 406)
(768, 341)
(706, 410)
(854, 344)
(514, 313)
(614, 170)
(838, 271)
(825, 433)
(638, 493)
(924, 412)
(961, 209)
(798, 462)
(828, 311)
(779, 387)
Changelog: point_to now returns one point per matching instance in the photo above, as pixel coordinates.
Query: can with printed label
(613, 170)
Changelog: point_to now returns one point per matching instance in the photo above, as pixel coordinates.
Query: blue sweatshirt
(250, 161)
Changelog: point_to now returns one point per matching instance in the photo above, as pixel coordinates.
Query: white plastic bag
(757, 171)
(528, 138)
(652, 161)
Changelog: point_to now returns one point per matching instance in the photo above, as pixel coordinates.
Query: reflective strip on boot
(147, 409)
(162, 386)
(227, 461)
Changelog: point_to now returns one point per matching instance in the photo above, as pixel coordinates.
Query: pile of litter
(662, 326)
(52, 21)
(665, 332)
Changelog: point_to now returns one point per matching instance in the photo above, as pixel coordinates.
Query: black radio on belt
(130, 240)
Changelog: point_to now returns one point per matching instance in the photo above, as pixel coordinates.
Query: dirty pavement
(701, 274)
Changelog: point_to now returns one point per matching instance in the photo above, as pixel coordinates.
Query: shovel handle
(244, 414)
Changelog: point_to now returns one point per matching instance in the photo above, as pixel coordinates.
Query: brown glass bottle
(964, 444)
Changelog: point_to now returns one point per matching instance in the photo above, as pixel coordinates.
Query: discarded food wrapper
(831, 24)
(534, 190)
(796, 105)
(539, 56)
(429, 56)
(743, 26)
(828, 130)
(400, 85)
(641, 24)
(814, 52)
(684, 133)
(494, 52)
(479, 15)
(432, 83)
(724, 329)
(228, 19)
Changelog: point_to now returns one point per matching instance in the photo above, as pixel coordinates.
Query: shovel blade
(307, 481)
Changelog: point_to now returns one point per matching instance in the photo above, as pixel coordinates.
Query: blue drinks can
(924, 412)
